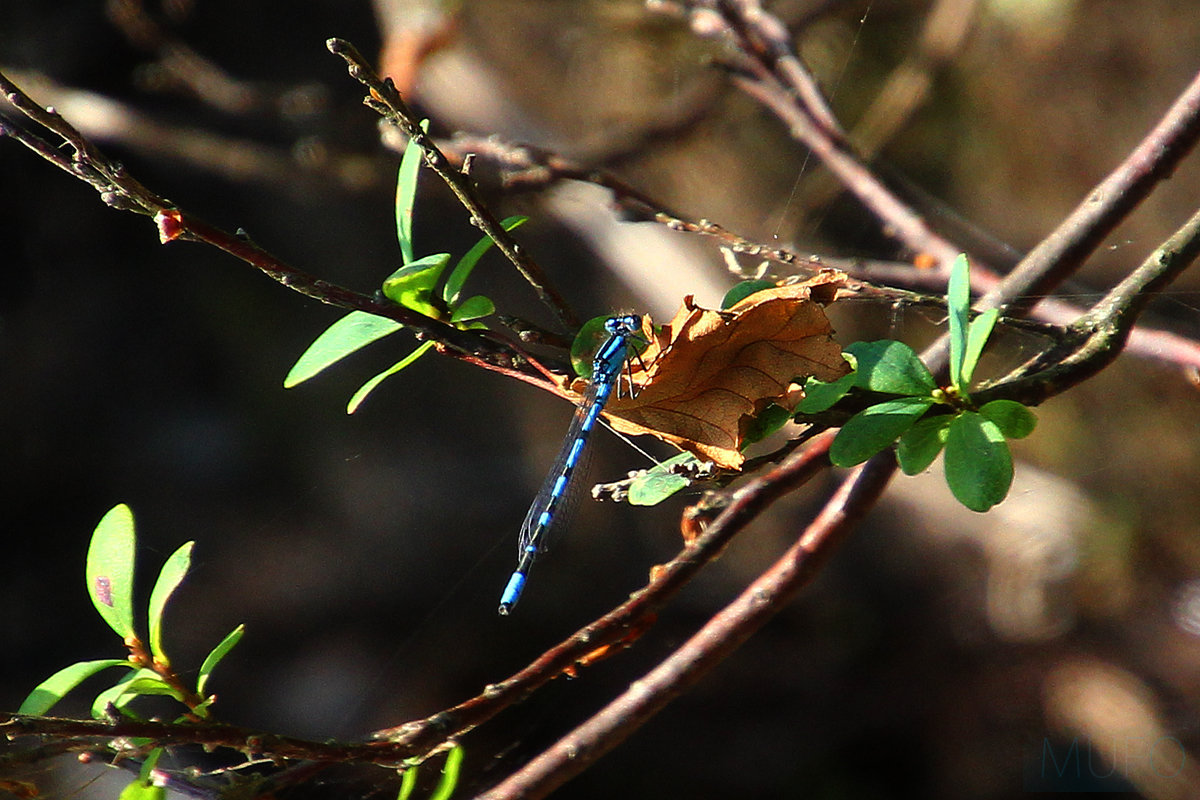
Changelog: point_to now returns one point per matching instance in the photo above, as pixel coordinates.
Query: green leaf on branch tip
(874, 428)
(766, 422)
(977, 337)
(820, 396)
(1014, 420)
(743, 290)
(169, 578)
(659, 482)
(145, 787)
(350, 333)
(129, 688)
(472, 308)
(978, 462)
(110, 569)
(214, 658)
(891, 367)
(412, 285)
(47, 693)
(450, 773)
(920, 444)
(370, 385)
(958, 306)
(406, 195)
(462, 270)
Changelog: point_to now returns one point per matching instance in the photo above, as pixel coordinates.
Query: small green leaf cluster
(414, 285)
(978, 463)
(109, 572)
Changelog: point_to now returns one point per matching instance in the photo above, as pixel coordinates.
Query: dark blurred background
(941, 654)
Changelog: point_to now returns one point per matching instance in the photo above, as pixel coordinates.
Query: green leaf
(169, 578)
(874, 428)
(214, 658)
(450, 773)
(475, 307)
(462, 270)
(891, 367)
(145, 786)
(921, 443)
(350, 333)
(659, 482)
(406, 195)
(370, 385)
(412, 286)
(820, 396)
(47, 693)
(958, 306)
(110, 569)
(139, 682)
(408, 783)
(1014, 420)
(743, 290)
(977, 336)
(766, 422)
(978, 462)
(589, 339)
(140, 790)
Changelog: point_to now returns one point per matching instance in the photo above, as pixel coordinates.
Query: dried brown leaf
(710, 371)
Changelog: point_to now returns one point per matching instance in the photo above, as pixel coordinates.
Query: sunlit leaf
(169, 578)
(977, 336)
(50, 691)
(408, 783)
(214, 658)
(406, 195)
(874, 428)
(122, 693)
(741, 291)
(370, 385)
(462, 270)
(709, 370)
(350, 333)
(891, 367)
(476, 307)
(958, 307)
(659, 482)
(1014, 420)
(412, 286)
(450, 772)
(978, 462)
(820, 396)
(147, 785)
(110, 569)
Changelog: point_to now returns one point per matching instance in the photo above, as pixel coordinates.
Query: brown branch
(77, 735)
(121, 190)
(720, 636)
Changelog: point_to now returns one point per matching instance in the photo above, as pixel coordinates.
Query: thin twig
(387, 102)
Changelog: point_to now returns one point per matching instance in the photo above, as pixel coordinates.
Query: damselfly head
(625, 325)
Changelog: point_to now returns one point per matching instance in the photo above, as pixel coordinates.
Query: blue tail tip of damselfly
(512, 593)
